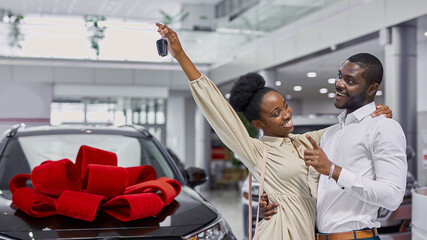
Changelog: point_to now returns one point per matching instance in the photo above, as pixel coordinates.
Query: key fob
(162, 47)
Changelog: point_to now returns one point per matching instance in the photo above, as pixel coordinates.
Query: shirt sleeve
(225, 121)
(389, 156)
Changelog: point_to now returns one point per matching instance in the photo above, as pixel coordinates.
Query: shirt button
(342, 188)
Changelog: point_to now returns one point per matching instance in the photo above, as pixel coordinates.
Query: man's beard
(353, 101)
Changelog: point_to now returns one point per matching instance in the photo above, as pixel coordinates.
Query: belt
(357, 234)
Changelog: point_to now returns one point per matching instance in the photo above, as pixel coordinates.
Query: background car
(190, 216)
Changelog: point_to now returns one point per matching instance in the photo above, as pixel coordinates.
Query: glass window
(98, 113)
(148, 112)
(160, 114)
(63, 113)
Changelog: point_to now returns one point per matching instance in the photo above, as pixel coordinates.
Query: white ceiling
(324, 65)
(147, 10)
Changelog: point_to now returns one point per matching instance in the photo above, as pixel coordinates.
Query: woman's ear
(257, 124)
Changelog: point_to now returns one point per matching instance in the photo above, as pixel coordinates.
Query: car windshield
(24, 153)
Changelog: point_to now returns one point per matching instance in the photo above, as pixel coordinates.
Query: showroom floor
(229, 204)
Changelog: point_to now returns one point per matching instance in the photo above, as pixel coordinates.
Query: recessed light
(323, 90)
(297, 88)
(331, 95)
(379, 93)
(6, 18)
(331, 80)
(288, 96)
(278, 83)
(311, 74)
(227, 95)
(425, 34)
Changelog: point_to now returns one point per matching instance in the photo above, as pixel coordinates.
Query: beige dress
(287, 180)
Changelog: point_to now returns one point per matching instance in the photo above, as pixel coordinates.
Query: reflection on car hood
(186, 214)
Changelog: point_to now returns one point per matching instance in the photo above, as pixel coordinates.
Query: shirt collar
(277, 141)
(359, 114)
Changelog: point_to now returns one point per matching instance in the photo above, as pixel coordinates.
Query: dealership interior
(95, 62)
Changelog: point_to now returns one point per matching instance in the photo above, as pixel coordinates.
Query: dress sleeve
(312, 175)
(225, 121)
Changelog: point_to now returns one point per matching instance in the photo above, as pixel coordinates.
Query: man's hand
(267, 210)
(382, 110)
(317, 158)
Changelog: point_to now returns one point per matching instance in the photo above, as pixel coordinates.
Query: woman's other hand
(382, 110)
(267, 210)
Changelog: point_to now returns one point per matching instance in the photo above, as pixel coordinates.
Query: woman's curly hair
(246, 95)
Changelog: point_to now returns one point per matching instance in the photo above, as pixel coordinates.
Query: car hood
(185, 215)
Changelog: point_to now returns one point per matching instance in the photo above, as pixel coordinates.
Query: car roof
(126, 130)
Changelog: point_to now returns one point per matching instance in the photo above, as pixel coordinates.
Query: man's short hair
(371, 65)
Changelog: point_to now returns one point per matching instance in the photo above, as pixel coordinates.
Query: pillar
(202, 145)
(400, 82)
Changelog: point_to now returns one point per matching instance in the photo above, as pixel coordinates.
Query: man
(362, 160)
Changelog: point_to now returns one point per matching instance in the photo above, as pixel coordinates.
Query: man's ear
(257, 124)
(372, 89)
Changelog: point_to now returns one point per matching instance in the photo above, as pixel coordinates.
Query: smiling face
(276, 116)
(352, 90)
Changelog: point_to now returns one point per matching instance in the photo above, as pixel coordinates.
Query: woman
(288, 181)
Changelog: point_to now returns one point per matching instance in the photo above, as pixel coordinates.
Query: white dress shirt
(372, 154)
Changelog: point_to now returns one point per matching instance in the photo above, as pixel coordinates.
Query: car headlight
(214, 231)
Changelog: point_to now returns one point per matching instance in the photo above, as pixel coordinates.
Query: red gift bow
(94, 182)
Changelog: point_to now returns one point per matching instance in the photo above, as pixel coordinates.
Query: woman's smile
(289, 123)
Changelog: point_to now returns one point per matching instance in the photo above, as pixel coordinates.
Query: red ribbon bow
(94, 182)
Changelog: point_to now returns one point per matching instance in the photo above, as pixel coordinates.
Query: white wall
(24, 102)
(422, 76)
(422, 109)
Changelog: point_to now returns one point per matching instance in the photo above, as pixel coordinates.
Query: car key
(162, 47)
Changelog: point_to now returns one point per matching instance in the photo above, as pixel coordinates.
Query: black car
(189, 216)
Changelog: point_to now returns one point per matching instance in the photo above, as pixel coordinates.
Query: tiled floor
(229, 204)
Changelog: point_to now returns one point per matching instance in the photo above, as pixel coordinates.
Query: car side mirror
(195, 176)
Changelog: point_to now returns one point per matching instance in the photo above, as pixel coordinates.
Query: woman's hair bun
(244, 89)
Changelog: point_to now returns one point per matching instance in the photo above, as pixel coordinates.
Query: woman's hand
(174, 46)
(267, 210)
(382, 110)
(175, 49)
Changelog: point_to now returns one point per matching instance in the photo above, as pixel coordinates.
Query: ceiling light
(323, 90)
(6, 18)
(311, 74)
(379, 93)
(288, 96)
(331, 80)
(425, 34)
(297, 88)
(331, 95)
(278, 83)
(227, 95)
